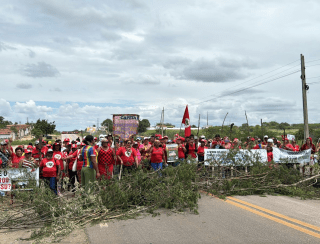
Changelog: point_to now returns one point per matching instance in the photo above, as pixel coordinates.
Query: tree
(43, 127)
(4, 123)
(143, 125)
(193, 126)
(108, 123)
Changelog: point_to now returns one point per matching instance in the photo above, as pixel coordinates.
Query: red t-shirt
(296, 148)
(49, 167)
(181, 152)
(128, 159)
(58, 156)
(191, 151)
(36, 155)
(157, 155)
(201, 150)
(16, 160)
(270, 156)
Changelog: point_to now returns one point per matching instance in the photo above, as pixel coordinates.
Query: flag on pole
(186, 122)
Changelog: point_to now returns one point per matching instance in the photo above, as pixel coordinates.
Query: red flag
(186, 122)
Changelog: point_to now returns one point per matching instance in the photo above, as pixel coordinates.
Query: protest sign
(172, 152)
(291, 157)
(241, 157)
(20, 176)
(125, 125)
(291, 137)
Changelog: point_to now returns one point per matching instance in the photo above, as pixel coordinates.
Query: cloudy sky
(76, 61)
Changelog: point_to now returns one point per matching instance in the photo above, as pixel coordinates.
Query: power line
(267, 73)
(252, 86)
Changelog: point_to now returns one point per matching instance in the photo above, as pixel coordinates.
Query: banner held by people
(125, 125)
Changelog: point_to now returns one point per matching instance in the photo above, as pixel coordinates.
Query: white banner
(220, 156)
(292, 157)
(243, 156)
(19, 176)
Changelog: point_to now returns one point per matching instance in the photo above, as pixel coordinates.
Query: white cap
(202, 136)
(78, 144)
(266, 136)
(36, 142)
(270, 140)
(49, 150)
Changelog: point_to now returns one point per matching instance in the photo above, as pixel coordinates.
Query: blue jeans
(52, 183)
(156, 166)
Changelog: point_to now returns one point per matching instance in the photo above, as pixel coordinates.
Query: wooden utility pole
(207, 120)
(262, 131)
(198, 125)
(162, 121)
(245, 112)
(223, 123)
(305, 87)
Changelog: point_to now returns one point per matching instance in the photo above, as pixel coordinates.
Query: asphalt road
(70, 136)
(221, 221)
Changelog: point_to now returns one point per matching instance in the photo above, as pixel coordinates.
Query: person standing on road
(157, 156)
(90, 170)
(128, 156)
(106, 159)
(50, 169)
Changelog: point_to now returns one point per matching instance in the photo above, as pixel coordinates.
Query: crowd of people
(91, 158)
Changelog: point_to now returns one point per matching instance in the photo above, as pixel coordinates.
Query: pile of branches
(175, 188)
(140, 191)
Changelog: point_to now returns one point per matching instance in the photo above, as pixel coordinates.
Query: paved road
(222, 222)
(70, 136)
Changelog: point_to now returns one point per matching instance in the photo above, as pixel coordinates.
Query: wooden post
(304, 98)
(223, 123)
(245, 112)
(162, 122)
(262, 131)
(198, 126)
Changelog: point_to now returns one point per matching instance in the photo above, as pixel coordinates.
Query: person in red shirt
(50, 169)
(200, 151)
(306, 146)
(71, 159)
(36, 152)
(181, 149)
(106, 159)
(128, 156)
(164, 147)
(309, 145)
(157, 156)
(295, 146)
(16, 158)
(286, 145)
(270, 155)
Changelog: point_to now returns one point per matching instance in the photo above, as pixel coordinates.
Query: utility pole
(97, 124)
(207, 120)
(262, 131)
(245, 112)
(305, 87)
(162, 121)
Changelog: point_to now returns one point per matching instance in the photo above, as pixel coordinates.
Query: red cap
(252, 139)
(48, 145)
(95, 138)
(6, 140)
(66, 140)
(56, 144)
(74, 146)
(165, 137)
(29, 147)
(176, 135)
(235, 140)
(27, 151)
(20, 146)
